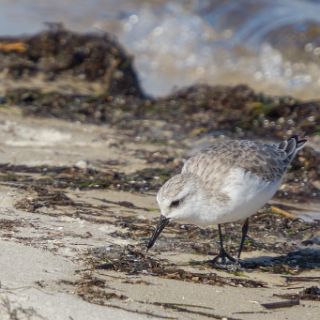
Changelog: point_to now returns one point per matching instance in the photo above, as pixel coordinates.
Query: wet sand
(54, 254)
(83, 153)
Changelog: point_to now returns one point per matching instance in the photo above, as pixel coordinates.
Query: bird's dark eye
(175, 203)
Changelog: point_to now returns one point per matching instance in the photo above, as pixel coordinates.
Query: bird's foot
(225, 261)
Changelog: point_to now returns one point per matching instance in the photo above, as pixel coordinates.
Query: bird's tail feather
(292, 145)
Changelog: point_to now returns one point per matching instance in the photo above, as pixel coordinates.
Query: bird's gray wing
(213, 163)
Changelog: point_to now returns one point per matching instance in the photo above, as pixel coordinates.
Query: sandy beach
(83, 153)
(51, 247)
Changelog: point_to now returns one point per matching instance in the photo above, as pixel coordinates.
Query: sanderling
(226, 182)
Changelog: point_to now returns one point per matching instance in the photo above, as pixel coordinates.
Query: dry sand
(43, 255)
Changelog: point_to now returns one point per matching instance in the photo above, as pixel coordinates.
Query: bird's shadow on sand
(301, 259)
(304, 258)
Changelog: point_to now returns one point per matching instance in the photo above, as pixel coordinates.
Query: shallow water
(271, 45)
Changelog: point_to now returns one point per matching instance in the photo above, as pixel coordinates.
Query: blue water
(260, 18)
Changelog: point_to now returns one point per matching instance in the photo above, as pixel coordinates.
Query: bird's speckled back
(211, 164)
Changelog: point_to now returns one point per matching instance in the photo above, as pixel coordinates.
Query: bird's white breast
(247, 192)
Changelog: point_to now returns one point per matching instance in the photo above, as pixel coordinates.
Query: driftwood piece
(281, 304)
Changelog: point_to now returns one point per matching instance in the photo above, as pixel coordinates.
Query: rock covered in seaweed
(57, 52)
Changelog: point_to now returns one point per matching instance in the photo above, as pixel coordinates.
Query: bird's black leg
(245, 228)
(223, 255)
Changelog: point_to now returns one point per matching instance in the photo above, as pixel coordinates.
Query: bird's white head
(180, 198)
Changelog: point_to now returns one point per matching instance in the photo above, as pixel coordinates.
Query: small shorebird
(226, 182)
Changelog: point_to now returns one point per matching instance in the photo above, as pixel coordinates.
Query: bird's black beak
(160, 226)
